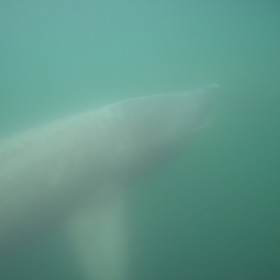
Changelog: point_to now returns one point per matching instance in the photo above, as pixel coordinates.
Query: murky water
(212, 213)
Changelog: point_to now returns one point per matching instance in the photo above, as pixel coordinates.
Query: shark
(71, 173)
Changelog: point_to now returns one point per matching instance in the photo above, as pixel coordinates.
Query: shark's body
(48, 174)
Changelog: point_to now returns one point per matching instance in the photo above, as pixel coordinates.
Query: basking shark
(66, 172)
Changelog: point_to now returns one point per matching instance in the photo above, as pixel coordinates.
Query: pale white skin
(48, 175)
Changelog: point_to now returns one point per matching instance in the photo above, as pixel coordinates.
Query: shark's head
(159, 124)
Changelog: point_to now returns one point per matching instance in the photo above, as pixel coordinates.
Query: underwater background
(213, 213)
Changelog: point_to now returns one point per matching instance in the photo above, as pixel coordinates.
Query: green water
(214, 213)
